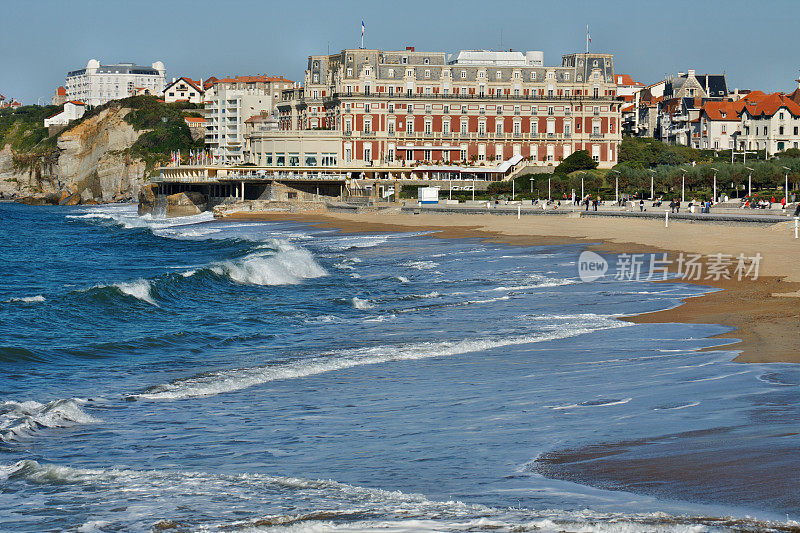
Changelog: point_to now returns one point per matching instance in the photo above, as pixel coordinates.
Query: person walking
(797, 210)
(677, 206)
(641, 205)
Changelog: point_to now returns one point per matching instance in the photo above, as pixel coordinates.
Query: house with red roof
(719, 124)
(185, 89)
(769, 122)
(73, 110)
(60, 96)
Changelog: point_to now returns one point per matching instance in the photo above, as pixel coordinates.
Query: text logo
(591, 266)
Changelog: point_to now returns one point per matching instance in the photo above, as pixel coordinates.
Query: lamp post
(583, 174)
(531, 180)
(652, 183)
(749, 182)
(683, 185)
(786, 185)
(714, 196)
(548, 189)
(513, 189)
(616, 186)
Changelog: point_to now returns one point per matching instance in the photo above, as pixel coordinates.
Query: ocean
(197, 375)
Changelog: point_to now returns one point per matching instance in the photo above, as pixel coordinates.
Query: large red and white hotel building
(385, 111)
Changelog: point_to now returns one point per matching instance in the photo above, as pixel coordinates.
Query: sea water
(196, 375)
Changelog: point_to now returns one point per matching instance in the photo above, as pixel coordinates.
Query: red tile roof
(194, 119)
(61, 91)
(624, 79)
(194, 83)
(253, 79)
(715, 110)
(770, 104)
(76, 102)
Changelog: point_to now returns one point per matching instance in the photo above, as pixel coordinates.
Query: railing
(596, 135)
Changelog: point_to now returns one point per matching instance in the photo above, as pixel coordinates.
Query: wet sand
(764, 312)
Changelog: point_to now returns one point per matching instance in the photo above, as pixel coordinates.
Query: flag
(362, 33)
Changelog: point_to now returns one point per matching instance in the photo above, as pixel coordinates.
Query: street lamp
(548, 189)
(714, 196)
(652, 183)
(616, 186)
(750, 182)
(683, 185)
(786, 185)
(531, 180)
(583, 174)
(513, 189)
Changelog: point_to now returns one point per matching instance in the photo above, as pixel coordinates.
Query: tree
(580, 160)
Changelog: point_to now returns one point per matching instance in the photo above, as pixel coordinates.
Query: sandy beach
(763, 312)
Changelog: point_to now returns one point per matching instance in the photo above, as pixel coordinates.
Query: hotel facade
(97, 84)
(390, 109)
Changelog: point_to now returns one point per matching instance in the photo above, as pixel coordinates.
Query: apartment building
(396, 108)
(229, 102)
(97, 84)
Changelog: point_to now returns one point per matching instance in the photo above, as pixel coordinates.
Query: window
(426, 61)
(391, 107)
(427, 91)
(348, 126)
(366, 108)
(463, 154)
(463, 74)
(391, 73)
(428, 127)
(311, 160)
(348, 155)
(463, 110)
(498, 75)
(404, 60)
(464, 127)
(724, 128)
(480, 74)
(409, 72)
(410, 127)
(533, 76)
(367, 126)
(366, 71)
(294, 160)
(446, 108)
(347, 108)
(516, 75)
(780, 130)
(566, 76)
(426, 155)
(780, 115)
(390, 127)
(446, 126)
(316, 78)
(551, 110)
(498, 128)
(534, 126)
(516, 93)
(427, 73)
(481, 128)
(517, 128)
(349, 72)
(409, 108)
(428, 109)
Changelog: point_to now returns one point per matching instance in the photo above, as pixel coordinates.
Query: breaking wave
(19, 420)
(139, 289)
(283, 264)
(223, 381)
(360, 303)
(27, 299)
(327, 505)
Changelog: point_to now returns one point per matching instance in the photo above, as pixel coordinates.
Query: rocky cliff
(91, 159)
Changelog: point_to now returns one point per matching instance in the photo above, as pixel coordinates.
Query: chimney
(691, 72)
(410, 48)
(173, 80)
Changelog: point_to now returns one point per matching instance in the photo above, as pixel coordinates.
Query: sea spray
(23, 419)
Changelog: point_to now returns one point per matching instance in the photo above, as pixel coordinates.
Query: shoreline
(763, 313)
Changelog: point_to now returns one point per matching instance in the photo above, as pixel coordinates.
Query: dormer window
(427, 73)
(498, 75)
(391, 73)
(426, 61)
(463, 74)
(724, 114)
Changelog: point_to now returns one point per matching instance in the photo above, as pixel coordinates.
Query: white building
(97, 84)
(719, 124)
(770, 123)
(229, 103)
(184, 90)
(72, 110)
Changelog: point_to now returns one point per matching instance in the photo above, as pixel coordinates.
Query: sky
(755, 43)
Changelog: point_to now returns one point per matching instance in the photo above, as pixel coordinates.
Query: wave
(139, 289)
(19, 420)
(328, 505)
(361, 304)
(27, 299)
(279, 263)
(212, 383)
(605, 402)
(421, 265)
(128, 217)
(402, 279)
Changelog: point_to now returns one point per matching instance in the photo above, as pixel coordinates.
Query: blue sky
(755, 43)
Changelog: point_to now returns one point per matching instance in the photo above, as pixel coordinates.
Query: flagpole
(587, 38)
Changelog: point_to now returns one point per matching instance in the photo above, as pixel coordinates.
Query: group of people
(589, 201)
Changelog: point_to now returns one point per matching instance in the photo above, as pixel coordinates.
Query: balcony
(596, 135)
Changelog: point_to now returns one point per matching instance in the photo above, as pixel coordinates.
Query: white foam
(208, 384)
(19, 420)
(139, 289)
(27, 299)
(283, 264)
(597, 403)
(421, 265)
(676, 407)
(402, 279)
(127, 217)
(360, 303)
